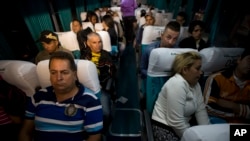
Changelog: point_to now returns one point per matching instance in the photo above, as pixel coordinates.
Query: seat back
(88, 24)
(213, 132)
(86, 73)
(217, 58)
(159, 71)
(150, 34)
(98, 27)
(83, 16)
(68, 40)
(22, 74)
(158, 19)
(106, 41)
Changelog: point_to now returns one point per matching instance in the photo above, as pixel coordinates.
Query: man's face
(95, 43)
(180, 20)
(62, 78)
(76, 26)
(244, 66)
(197, 32)
(51, 46)
(149, 20)
(169, 38)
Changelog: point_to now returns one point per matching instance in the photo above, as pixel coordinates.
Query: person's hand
(229, 105)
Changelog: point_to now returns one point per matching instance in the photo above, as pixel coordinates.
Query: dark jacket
(105, 66)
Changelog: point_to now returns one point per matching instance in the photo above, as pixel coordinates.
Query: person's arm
(201, 112)
(176, 94)
(215, 105)
(96, 137)
(144, 62)
(235, 107)
(27, 130)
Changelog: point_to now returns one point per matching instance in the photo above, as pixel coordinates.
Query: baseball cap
(47, 36)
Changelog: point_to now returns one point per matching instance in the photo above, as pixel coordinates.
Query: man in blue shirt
(167, 40)
(66, 110)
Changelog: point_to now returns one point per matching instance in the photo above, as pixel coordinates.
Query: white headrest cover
(87, 24)
(217, 58)
(68, 40)
(161, 60)
(212, 132)
(22, 74)
(86, 73)
(98, 26)
(151, 33)
(106, 41)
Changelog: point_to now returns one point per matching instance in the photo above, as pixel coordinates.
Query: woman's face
(93, 20)
(193, 73)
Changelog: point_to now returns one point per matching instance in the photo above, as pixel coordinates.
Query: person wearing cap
(226, 92)
(51, 44)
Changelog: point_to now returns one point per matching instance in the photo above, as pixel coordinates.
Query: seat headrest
(217, 58)
(161, 60)
(98, 27)
(68, 40)
(212, 132)
(151, 33)
(86, 73)
(106, 41)
(22, 74)
(87, 24)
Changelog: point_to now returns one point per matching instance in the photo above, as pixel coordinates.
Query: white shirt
(177, 102)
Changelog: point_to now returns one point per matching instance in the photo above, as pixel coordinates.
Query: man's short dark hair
(64, 56)
(173, 25)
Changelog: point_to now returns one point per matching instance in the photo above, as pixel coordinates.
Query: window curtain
(105, 3)
(5, 49)
(80, 7)
(213, 23)
(64, 13)
(161, 4)
(92, 4)
(189, 10)
(37, 17)
(174, 7)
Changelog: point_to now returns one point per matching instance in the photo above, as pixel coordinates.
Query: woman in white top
(180, 100)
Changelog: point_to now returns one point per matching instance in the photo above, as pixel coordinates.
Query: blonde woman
(180, 100)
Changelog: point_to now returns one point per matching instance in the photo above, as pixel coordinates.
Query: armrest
(148, 126)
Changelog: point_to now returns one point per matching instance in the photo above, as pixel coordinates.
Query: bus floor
(125, 127)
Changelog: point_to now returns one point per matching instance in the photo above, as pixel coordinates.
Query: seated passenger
(168, 40)
(76, 26)
(109, 26)
(150, 20)
(64, 111)
(180, 100)
(181, 19)
(12, 108)
(92, 17)
(227, 92)
(106, 72)
(194, 41)
(50, 44)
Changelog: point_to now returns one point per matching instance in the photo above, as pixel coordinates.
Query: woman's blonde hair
(182, 60)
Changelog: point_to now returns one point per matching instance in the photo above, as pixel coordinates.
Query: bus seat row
(161, 59)
(28, 76)
(159, 70)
